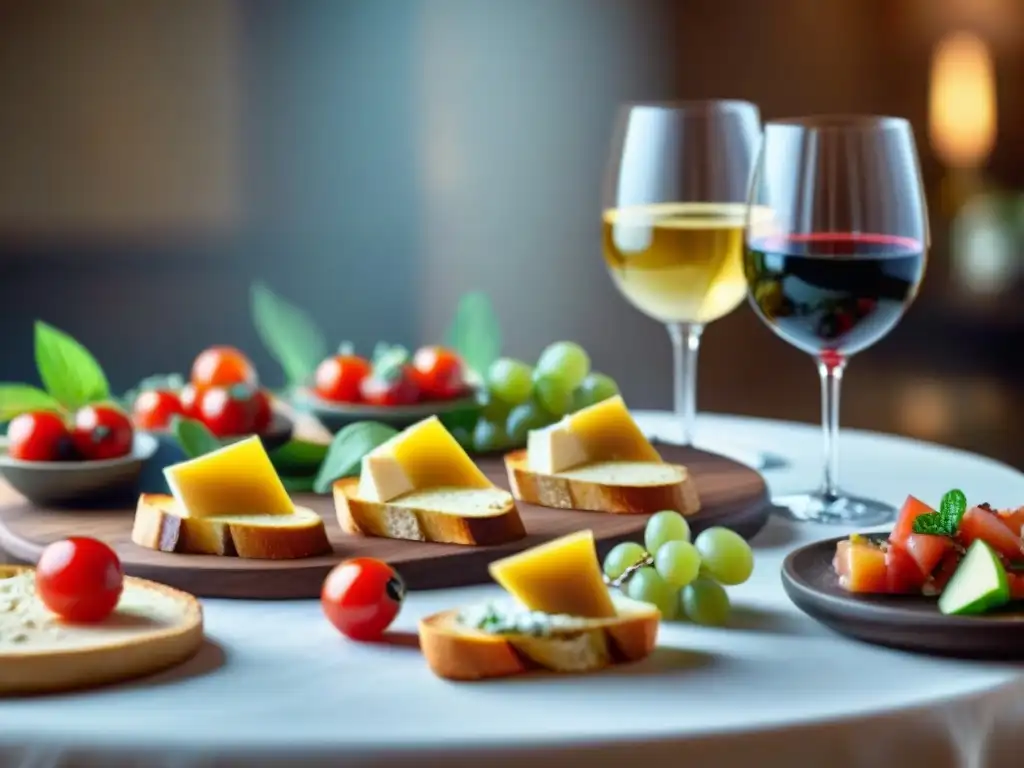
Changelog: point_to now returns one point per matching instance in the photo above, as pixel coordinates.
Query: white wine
(678, 262)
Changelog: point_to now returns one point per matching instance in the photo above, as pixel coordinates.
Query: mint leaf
(951, 510)
(16, 399)
(298, 457)
(345, 455)
(475, 333)
(194, 437)
(945, 522)
(69, 372)
(288, 333)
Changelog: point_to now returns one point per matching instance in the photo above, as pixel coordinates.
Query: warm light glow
(962, 101)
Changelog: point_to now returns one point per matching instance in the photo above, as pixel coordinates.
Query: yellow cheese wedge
(604, 431)
(560, 577)
(421, 457)
(237, 479)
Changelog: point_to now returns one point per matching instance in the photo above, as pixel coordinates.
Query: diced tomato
(950, 562)
(903, 575)
(981, 524)
(927, 550)
(1014, 519)
(912, 509)
(1016, 582)
(861, 567)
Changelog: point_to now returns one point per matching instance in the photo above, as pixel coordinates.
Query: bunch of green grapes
(683, 578)
(519, 397)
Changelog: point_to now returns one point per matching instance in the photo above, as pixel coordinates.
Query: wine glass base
(838, 509)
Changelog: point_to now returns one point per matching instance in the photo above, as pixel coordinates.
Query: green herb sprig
(70, 375)
(345, 455)
(945, 522)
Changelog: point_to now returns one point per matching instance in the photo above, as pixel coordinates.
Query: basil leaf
(68, 371)
(298, 457)
(16, 399)
(288, 333)
(194, 437)
(475, 332)
(345, 455)
(297, 484)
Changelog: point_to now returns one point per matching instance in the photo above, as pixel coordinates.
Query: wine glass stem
(685, 346)
(831, 373)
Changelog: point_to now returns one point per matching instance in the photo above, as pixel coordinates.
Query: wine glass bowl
(836, 249)
(675, 209)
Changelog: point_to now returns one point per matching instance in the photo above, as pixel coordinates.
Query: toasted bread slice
(619, 487)
(457, 650)
(471, 516)
(160, 524)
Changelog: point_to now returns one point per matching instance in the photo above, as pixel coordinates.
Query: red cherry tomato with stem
(154, 409)
(190, 397)
(361, 597)
(438, 373)
(222, 367)
(228, 411)
(39, 436)
(102, 432)
(79, 579)
(338, 378)
(394, 387)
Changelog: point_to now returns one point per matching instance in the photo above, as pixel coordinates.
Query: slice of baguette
(161, 525)
(473, 516)
(456, 651)
(619, 487)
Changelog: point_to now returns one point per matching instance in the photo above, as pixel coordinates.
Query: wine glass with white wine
(675, 208)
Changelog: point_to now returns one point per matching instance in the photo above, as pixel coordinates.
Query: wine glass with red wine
(833, 258)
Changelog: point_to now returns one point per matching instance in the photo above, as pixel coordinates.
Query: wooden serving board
(732, 495)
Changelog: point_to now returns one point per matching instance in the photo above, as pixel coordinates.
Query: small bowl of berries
(222, 391)
(392, 386)
(91, 455)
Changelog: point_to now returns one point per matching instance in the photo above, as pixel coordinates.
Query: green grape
(621, 557)
(566, 361)
(463, 437)
(525, 417)
(725, 556)
(595, 388)
(510, 381)
(489, 436)
(705, 601)
(677, 562)
(663, 527)
(491, 408)
(648, 587)
(553, 395)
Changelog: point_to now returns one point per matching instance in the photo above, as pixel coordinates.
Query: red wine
(830, 292)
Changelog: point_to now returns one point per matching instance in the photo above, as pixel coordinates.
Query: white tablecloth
(276, 685)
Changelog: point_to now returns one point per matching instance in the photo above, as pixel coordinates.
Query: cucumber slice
(979, 584)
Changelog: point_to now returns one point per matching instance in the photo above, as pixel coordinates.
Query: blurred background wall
(373, 159)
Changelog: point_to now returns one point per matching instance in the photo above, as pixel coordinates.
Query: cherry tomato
(39, 436)
(338, 378)
(154, 409)
(980, 523)
(228, 411)
(903, 576)
(361, 597)
(102, 432)
(190, 397)
(79, 579)
(396, 387)
(438, 373)
(223, 367)
(912, 509)
(263, 413)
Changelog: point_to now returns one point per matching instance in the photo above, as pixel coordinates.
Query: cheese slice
(604, 431)
(560, 577)
(238, 479)
(421, 457)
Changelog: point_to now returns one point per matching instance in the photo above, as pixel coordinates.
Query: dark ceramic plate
(906, 622)
(334, 416)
